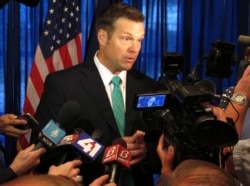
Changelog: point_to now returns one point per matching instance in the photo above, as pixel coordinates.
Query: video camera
(181, 111)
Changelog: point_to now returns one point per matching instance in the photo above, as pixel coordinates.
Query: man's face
(121, 50)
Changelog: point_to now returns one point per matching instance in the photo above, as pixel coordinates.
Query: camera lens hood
(210, 132)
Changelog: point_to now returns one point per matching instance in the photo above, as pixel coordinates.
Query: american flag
(59, 48)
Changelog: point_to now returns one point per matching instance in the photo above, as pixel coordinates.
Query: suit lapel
(93, 84)
(130, 111)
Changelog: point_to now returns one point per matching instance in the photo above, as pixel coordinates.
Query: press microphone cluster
(116, 157)
(81, 145)
(54, 131)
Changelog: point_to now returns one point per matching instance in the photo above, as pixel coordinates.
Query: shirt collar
(106, 75)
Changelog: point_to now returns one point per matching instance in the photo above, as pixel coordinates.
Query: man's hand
(137, 147)
(101, 181)
(26, 160)
(166, 156)
(7, 125)
(69, 169)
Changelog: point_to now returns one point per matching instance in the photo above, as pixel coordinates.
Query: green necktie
(125, 177)
(118, 105)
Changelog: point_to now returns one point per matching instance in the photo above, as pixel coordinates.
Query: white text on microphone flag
(53, 132)
(88, 146)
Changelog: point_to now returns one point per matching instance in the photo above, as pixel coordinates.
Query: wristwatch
(240, 98)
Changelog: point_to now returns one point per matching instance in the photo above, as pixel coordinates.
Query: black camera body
(181, 113)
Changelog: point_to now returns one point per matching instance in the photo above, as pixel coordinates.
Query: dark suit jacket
(82, 84)
(7, 175)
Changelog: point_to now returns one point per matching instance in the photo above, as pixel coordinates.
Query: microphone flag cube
(88, 146)
(117, 153)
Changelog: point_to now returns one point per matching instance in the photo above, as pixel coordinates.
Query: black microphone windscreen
(97, 135)
(68, 113)
(119, 141)
(78, 130)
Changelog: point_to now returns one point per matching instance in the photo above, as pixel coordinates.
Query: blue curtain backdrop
(184, 26)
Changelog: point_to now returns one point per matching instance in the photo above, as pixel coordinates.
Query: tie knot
(116, 80)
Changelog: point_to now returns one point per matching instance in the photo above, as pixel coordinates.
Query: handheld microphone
(79, 145)
(89, 146)
(116, 156)
(53, 132)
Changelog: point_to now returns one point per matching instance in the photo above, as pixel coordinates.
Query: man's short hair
(108, 16)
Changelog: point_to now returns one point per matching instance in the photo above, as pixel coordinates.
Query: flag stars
(48, 22)
(51, 11)
(46, 32)
(61, 24)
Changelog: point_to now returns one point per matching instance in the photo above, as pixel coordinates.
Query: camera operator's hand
(238, 111)
(137, 146)
(7, 125)
(227, 151)
(26, 160)
(166, 156)
(219, 114)
(243, 85)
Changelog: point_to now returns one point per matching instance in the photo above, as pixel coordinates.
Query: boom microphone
(244, 39)
(53, 132)
(116, 157)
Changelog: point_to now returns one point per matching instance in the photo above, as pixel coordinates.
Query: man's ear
(102, 37)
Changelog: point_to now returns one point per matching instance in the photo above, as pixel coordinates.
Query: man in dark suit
(120, 31)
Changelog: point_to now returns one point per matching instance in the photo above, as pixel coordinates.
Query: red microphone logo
(117, 153)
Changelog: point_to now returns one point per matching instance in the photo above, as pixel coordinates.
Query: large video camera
(180, 111)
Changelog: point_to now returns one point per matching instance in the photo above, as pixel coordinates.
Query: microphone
(88, 145)
(53, 132)
(72, 143)
(116, 156)
(242, 39)
(66, 150)
(97, 136)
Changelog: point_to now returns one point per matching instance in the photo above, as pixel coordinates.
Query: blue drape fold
(188, 27)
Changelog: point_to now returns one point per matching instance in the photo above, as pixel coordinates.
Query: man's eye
(126, 38)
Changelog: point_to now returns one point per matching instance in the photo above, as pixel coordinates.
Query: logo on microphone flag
(88, 146)
(117, 153)
(53, 132)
